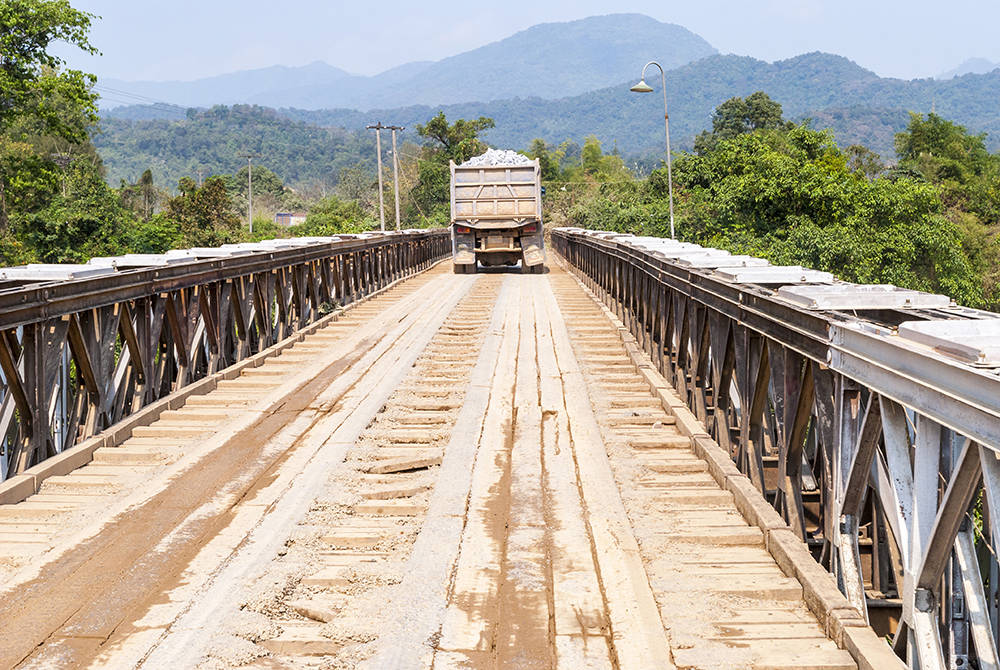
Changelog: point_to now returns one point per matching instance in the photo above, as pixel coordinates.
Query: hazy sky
(185, 39)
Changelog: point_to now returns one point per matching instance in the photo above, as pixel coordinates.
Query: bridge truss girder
(77, 357)
(883, 457)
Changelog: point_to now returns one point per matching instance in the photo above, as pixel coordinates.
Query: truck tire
(538, 269)
(458, 269)
(472, 269)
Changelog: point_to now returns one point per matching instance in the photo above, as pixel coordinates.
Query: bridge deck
(464, 472)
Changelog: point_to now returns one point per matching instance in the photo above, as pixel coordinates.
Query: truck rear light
(531, 228)
(462, 230)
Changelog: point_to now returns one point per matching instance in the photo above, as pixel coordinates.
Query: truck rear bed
(496, 215)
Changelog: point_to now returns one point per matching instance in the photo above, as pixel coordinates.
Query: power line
(135, 95)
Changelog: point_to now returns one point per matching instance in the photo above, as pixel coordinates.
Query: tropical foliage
(756, 183)
(787, 192)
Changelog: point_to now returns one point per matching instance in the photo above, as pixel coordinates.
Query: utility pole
(378, 148)
(395, 168)
(250, 158)
(62, 160)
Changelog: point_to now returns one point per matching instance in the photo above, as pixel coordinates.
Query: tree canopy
(457, 142)
(739, 116)
(788, 193)
(30, 80)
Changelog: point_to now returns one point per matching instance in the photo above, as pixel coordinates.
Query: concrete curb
(843, 624)
(19, 487)
(16, 488)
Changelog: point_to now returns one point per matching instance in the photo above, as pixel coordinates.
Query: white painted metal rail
(868, 415)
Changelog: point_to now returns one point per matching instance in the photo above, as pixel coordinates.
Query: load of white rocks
(497, 157)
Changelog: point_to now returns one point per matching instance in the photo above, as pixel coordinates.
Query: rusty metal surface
(79, 355)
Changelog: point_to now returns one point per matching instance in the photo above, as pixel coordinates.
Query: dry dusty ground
(466, 472)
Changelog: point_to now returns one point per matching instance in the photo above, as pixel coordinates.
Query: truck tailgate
(507, 192)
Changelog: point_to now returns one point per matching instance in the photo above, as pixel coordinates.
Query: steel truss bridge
(867, 417)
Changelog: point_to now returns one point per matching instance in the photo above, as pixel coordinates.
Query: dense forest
(858, 105)
(752, 182)
(758, 184)
(211, 142)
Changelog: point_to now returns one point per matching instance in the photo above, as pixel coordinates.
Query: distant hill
(836, 93)
(549, 61)
(859, 106)
(212, 140)
(971, 66)
(223, 89)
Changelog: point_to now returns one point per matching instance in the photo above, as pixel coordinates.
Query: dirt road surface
(463, 472)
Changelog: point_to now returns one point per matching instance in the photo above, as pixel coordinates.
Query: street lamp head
(643, 87)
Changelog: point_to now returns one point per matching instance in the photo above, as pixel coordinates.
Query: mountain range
(549, 61)
(858, 105)
(554, 81)
(970, 66)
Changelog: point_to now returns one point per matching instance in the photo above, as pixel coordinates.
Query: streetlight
(643, 87)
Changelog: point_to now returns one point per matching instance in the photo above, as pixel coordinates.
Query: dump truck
(496, 215)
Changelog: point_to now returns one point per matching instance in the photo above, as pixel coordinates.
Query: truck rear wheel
(538, 269)
(458, 269)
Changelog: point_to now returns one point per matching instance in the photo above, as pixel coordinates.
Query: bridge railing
(83, 347)
(869, 416)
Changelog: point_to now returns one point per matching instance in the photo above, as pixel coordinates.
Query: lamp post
(643, 87)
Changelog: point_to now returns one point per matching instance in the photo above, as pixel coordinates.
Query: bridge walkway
(463, 472)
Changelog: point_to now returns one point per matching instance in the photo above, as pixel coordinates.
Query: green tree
(43, 112)
(204, 215)
(265, 182)
(942, 150)
(333, 216)
(30, 81)
(156, 235)
(862, 160)
(548, 159)
(968, 179)
(357, 184)
(593, 157)
(457, 142)
(88, 221)
(739, 116)
(28, 182)
(143, 196)
(789, 194)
